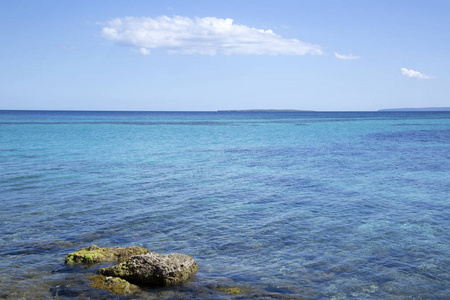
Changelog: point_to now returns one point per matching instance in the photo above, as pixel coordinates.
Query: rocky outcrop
(94, 254)
(155, 270)
(113, 284)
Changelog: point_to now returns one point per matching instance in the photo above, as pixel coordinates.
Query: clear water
(282, 205)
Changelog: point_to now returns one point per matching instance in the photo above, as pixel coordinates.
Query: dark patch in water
(413, 124)
(420, 136)
(70, 290)
(33, 248)
(279, 290)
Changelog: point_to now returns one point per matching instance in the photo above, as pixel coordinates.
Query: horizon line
(212, 111)
(409, 109)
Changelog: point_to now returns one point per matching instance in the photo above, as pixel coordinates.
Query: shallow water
(283, 205)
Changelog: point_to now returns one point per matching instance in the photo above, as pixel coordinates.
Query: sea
(271, 205)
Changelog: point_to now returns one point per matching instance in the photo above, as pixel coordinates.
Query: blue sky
(186, 55)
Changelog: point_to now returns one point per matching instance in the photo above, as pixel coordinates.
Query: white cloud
(347, 57)
(207, 36)
(415, 74)
(144, 51)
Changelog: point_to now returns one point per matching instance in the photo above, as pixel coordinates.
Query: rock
(154, 269)
(95, 254)
(113, 284)
(230, 290)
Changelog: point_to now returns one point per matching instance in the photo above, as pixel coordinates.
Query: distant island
(263, 110)
(298, 110)
(417, 109)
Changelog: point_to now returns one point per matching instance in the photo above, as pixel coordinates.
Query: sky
(167, 55)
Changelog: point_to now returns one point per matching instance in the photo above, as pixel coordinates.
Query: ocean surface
(283, 205)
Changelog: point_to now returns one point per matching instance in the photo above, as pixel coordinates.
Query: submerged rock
(229, 290)
(94, 254)
(154, 269)
(113, 284)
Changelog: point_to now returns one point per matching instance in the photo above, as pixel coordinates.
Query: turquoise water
(282, 205)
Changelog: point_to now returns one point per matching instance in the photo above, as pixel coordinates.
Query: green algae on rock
(113, 284)
(154, 270)
(229, 290)
(94, 254)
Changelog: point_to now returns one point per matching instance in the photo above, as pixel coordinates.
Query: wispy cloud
(415, 74)
(144, 51)
(207, 36)
(346, 56)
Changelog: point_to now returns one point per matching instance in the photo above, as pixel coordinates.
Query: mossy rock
(94, 254)
(113, 284)
(154, 270)
(234, 291)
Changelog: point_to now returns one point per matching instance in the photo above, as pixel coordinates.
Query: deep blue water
(283, 205)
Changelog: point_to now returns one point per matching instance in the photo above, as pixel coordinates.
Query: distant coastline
(417, 109)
